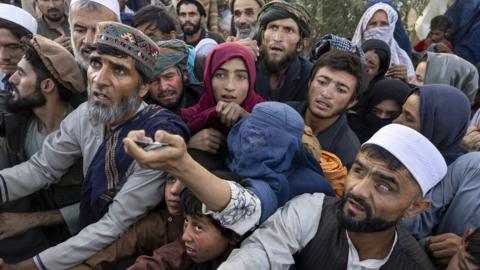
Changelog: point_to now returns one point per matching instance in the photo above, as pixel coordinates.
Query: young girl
(229, 77)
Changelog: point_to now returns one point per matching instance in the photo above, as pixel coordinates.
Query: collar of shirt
(354, 262)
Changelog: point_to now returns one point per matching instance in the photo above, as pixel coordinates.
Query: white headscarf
(398, 55)
(421, 158)
(110, 4)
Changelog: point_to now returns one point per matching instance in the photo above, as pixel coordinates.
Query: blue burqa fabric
(465, 31)
(400, 34)
(266, 148)
(444, 118)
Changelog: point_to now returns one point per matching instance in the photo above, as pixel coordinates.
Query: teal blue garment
(455, 201)
(444, 118)
(266, 149)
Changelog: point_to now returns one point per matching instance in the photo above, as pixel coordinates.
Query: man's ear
(302, 44)
(47, 86)
(184, 75)
(417, 207)
(352, 103)
(144, 89)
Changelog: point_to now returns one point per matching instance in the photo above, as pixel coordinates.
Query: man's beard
(56, 17)
(19, 104)
(277, 66)
(247, 35)
(195, 29)
(108, 115)
(367, 225)
(84, 63)
(173, 106)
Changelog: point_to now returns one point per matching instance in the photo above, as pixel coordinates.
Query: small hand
(471, 141)
(397, 72)
(208, 140)
(230, 113)
(442, 48)
(443, 247)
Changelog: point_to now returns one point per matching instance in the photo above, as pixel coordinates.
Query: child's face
(173, 188)
(203, 241)
(437, 35)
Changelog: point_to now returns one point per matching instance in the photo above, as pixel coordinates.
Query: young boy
(437, 38)
(159, 227)
(205, 244)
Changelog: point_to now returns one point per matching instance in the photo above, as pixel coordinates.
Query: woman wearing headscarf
(229, 77)
(379, 108)
(377, 56)
(441, 113)
(370, 27)
(449, 69)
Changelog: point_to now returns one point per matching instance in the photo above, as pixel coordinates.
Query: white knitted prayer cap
(414, 151)
(18, 16)
(110, 4)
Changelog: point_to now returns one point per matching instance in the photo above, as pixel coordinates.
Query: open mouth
(228, 98)
(323, 105)
(168, 95)
(353, 205)
(190, 251)
(100, 96)
(276, 48)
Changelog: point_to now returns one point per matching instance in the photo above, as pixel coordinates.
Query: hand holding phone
(148, 146)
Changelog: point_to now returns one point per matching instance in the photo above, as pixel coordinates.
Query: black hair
(473, 246)
(441, 22)
(199, 6)
(17, 30)
(379, 153)
(192, 206)
(155, 15)
(42, 72)
(146, 75)
(343, 61)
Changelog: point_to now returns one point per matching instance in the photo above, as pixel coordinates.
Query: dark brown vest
(329, 247)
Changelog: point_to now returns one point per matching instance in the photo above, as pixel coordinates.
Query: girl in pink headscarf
(229, 78)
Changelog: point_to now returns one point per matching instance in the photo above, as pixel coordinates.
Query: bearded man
(121, 67)
(282, 74)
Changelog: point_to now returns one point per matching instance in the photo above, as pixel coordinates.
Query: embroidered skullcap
(18, 16)
(205, 46)
(110, 4)
(421, 158)
(278, 10)
(59, 62)
(172, 52)
(331, 41)
(130, 41)
(231, 3)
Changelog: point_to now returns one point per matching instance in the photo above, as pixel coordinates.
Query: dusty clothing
(158, 228)
(80, 136)
(293, 86)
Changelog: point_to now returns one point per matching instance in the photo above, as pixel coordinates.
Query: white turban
(110, 4)
(421, 158)
(19, 16)
(398, 55)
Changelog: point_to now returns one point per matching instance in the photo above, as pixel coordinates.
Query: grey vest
(329, 247)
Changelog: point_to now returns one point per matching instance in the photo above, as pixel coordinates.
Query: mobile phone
(148, 146)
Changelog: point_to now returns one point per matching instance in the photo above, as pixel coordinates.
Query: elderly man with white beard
(116, 192)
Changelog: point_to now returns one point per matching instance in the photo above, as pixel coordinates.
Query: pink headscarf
(203, 114)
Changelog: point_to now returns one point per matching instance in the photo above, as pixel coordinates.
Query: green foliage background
(340, 17)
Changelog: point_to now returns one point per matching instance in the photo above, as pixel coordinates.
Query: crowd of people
(201, 135)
